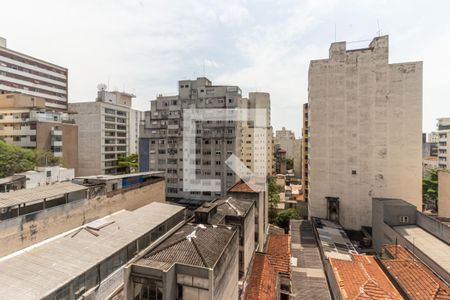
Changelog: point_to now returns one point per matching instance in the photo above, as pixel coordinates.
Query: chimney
(2, 42)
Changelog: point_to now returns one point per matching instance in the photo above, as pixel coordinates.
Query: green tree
(14, 159)
(131, 162)
(289, 163)
(274, 198)
(282, 219)
(430, 189)
(46, 158)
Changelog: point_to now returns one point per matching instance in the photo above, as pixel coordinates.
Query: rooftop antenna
(379, 29)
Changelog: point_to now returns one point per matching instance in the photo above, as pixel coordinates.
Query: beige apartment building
(443, 139)
(365, 132)
(108, 129)
(26, 121)
(257, 141)
(286, 139)
(305, 152)
(28, 75)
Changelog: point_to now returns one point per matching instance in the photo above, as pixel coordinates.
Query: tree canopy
(283, 217)
(131, 162)
(430, 189)
(14, 159)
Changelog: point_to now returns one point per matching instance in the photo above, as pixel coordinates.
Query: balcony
(57, 143)
(56, 132)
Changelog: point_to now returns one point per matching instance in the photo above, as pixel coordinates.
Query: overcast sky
(145, 47)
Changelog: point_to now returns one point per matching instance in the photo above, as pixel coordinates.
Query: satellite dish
(102, 87)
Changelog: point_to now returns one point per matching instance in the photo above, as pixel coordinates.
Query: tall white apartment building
(24, 74)
(365, 132)
(108, 129)
(443, 134)
(257, 141)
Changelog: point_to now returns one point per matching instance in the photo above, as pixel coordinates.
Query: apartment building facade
(305, 156)
(286, 139)
(28, 75)
(26, 121)
(162, 137)
(365, 125)
(108, 129)
(257, 141)
(443, 132)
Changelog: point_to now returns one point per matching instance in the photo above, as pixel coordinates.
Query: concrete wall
(444, 195)
(226, 272)
(365, 131)
(23, 231)
(88, 118)
(249, 239)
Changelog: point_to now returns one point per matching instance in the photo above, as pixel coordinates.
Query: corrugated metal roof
(46, 266)
(38, 193)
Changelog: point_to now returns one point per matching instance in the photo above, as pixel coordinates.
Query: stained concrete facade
(365, 131)
(286, 139)
(444, 194)
(26, 230)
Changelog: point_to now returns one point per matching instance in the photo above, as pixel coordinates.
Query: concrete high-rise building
(305, 152)
(161, 138)
(297, 160)
(27, 122)
(443, 135)
(286, 139)
(28, 75)
(108, 129)
(365, 132)
(257, 141)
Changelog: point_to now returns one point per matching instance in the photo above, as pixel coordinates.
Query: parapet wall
(26, 230)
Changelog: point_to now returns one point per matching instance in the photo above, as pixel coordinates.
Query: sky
(145, 47)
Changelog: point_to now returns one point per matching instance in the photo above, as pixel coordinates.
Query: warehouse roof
(38, 193)
(43, 268)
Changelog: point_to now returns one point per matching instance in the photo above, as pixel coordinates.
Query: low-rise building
(270, 274)
(308, 277)
(27, 122)
(238, 213)
(196, 262)
(29, 216)
(397, 222)
(86, 262)
(413, 277)
(255, 190)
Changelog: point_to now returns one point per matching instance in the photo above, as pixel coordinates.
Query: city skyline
(264, 46)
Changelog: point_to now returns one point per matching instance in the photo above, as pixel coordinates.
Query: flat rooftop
(38, 193)
(334, 240)
(308, 277)
(110, 177)
(431, 246)
(43, 268)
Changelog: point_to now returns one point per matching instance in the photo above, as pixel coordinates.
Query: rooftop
(196, 245)
(416, 279)
(39, 193)
(252, 186)
(230, 207)
(262, 283)
(279, 252)
(46, 266)
(334, 240)
(111, 177)
(431, 246)
(362, 278)
(308, 277)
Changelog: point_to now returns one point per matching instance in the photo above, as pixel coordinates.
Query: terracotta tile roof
(362, 278)
(262, 282)
(431, 158)
(242, 187)
(279, 252)
(416, 279)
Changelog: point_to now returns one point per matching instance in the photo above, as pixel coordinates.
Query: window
(403, 219)
(229, 142)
